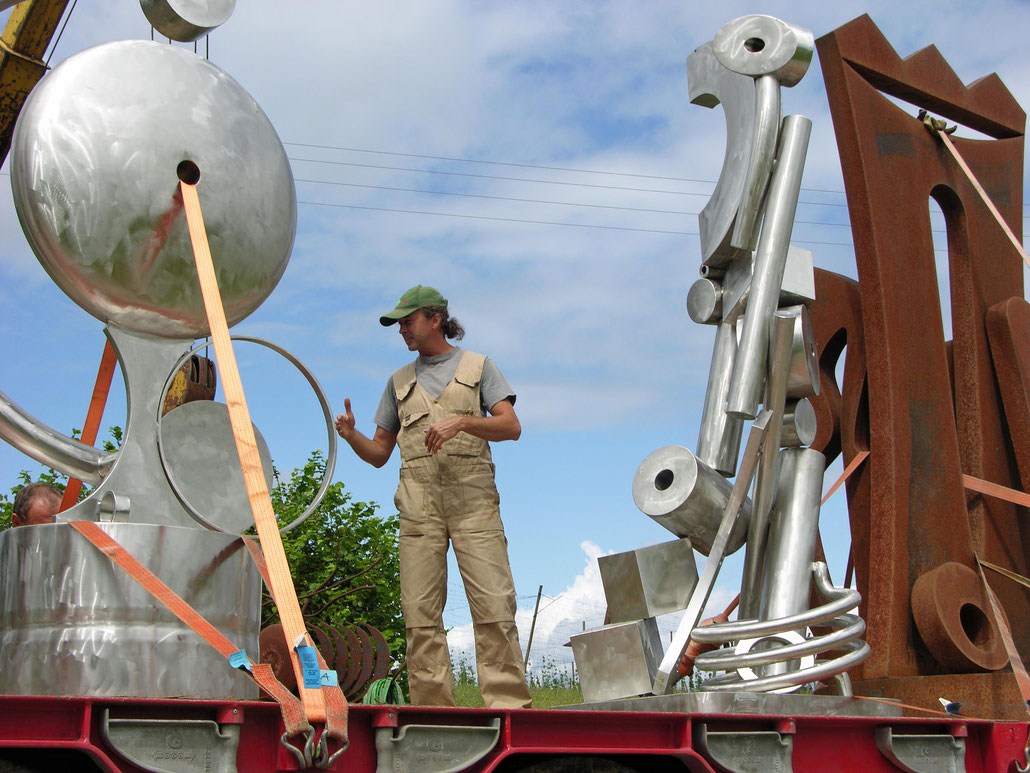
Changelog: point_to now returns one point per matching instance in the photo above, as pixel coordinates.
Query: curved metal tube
(50, 447)
(323, 400)
(848, 629)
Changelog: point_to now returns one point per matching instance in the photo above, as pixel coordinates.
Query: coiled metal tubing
(845, 637)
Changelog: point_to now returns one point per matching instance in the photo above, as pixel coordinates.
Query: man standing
(435, 409)
(34, 504)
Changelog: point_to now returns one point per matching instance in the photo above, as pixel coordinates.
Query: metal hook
(304, 758)
(1026, 756)
(322, 757)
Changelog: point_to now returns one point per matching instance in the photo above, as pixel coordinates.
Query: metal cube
(617, 661)
(648, 582)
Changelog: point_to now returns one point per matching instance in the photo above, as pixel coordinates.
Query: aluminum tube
(792, 534)
(718, 440)
(840, 601)
(687, 497)
(765, 484)
(781, 206)
(50, 447)
(799, 424)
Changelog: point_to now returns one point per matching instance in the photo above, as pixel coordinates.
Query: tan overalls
(452, 496)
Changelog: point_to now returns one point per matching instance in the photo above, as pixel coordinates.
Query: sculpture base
(993, 695)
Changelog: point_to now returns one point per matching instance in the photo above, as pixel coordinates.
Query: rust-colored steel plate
(926, 426)
(367, 663)
(276, 653)
(325, 646)
(348, 655)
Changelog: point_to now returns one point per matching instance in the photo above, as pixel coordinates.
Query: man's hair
(451, 327)
(28, 494)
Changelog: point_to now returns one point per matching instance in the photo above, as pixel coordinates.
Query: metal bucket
(73, 623)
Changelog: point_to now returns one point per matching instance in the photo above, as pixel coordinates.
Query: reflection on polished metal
(803, 372)
(704, 301)
(327, 416)
(663, 681)
(799, 424)
(797, 287)
(203, 465)
(766, 477)
(187, 20)
(99, 206)
(618, 660)
(843, 638)
(687, 497)
(749, 367)
(764, 45)
(135, 474)
(648, 582)
(718, 440)
(711, 84)
(793, 528)
(73, 624)
(50, 447)
(772, 704)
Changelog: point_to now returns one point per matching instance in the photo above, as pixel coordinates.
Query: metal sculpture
(95, 167)
(927, 409)
(754, 288)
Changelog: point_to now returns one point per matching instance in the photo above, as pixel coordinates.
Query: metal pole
(536, 610)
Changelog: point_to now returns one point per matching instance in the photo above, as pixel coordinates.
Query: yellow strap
(283, 592)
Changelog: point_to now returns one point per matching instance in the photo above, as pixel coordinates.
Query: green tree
(343, 558)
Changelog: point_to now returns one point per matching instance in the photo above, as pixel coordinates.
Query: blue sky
(568, 169)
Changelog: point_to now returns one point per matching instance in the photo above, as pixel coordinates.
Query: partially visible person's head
(431, 303)
(34, 504)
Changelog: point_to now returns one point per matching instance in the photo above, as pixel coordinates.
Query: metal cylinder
(704, 301)
(781, 206)
(72, 623)
(803, 374)
(187, 20)
(687, 497)
(718, 440)
(792, 534)
(799, 424)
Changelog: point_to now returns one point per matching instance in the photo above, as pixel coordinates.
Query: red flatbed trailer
(130, 735)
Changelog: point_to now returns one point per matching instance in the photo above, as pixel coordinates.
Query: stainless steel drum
(72, 623)
(187, 20)
(93, 171)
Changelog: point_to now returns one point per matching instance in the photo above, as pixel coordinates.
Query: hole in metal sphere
(663, 480)
(188, 172)
(754, 45)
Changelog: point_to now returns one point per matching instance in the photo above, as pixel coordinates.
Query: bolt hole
(663, 480)
(975, 625)
(188, 172)
(754, 45)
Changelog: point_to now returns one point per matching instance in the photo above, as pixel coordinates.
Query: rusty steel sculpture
(754, 288)
(932, 413)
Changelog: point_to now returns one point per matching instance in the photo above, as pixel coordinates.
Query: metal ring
(330, 462)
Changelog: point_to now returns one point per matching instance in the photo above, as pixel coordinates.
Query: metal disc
(203, 465)
(94, 164)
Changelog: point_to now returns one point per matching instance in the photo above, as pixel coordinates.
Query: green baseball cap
(418, 297)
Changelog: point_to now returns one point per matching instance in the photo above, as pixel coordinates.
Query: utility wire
(529, 180)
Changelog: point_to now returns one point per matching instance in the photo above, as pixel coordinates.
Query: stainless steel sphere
(93, 170)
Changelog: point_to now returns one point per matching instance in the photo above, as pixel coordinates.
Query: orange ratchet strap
(93, 416)
(293, 712)
(321, 704)
(1018, 669)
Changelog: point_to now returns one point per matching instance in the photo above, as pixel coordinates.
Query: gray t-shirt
(434, 374)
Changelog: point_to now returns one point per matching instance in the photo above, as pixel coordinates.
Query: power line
(534, 201)
(530, 180)
(546, 222)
